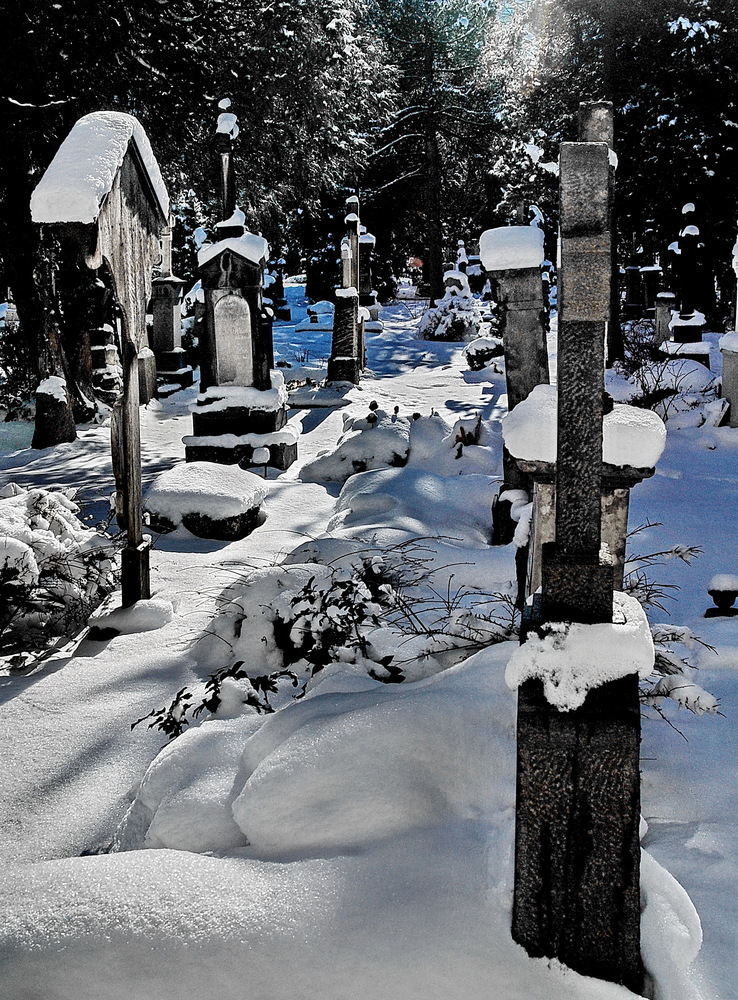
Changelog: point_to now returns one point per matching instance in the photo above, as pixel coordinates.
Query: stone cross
(577, 894)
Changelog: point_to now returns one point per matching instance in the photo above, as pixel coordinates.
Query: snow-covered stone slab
(81, 175)
(632, 436)
(729, 342)
(511, 248)
(210, 500)
(687, 348)
(249, 246)
(224, 397)
(571, 658)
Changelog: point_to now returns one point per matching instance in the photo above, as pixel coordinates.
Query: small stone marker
(577, 895)
(166, 308)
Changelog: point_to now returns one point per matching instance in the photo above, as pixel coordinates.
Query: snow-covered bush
(374, 611)
(456, 316)
(376, 441)
(54, 570)
(481, 350)
(673, 675)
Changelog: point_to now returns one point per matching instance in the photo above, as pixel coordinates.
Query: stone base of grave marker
(579, 810)
(230, 433)
(346, 360)
(146, 375)
(665, 302)
(245, 451)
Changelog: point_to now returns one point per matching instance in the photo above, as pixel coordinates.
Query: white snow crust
(723, 581)
(81, 175)
(729, 342)
(253, 248)
(631, 435)
(511, 248)
(571, 658)
(55, 386)
(221, 397)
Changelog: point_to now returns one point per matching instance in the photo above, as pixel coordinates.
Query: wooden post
(135, 578)
(577, 895)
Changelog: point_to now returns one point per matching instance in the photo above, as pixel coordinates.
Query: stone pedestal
(166, 305)
(346, 360)
(578, 783)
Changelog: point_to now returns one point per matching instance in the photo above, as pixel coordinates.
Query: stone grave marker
(104, 196)
(241, 412)
(577, 894)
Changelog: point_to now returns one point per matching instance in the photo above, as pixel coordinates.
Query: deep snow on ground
(381, 816)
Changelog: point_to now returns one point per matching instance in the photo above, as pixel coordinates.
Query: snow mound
(671, 932)
(366, 770)
(81, 175)
(218, 491)
(143, 616)
(376, 441)
(631, 436)
(571, 658)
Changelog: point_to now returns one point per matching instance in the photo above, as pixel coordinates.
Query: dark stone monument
(577, 895)
(512, 256)
(241, 413)
(348, 352)
(166, 308)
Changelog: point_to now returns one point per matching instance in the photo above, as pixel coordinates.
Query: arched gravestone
(104, 196)
(234, 355)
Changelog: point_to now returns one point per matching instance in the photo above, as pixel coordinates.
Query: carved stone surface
(577, 844)
(234, 359)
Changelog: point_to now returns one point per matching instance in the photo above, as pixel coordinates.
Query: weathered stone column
(729, 351)
(513, 256)
(345, 362)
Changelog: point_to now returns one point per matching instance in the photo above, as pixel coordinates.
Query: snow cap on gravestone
(511, 248)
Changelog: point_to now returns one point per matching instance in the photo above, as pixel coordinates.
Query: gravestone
(166, 308)
(577, 895)
(688, 324)
(512, 256)
(104, 196)
(348, 352)
(597, 124)
(241, 413)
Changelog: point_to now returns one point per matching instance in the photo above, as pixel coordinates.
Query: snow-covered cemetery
(369, 500)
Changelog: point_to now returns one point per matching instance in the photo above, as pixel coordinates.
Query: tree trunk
(28, 258)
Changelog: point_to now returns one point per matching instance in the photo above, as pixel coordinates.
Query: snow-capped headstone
(237, 346)
(512, 257)
(577, 893)
(347, 358)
